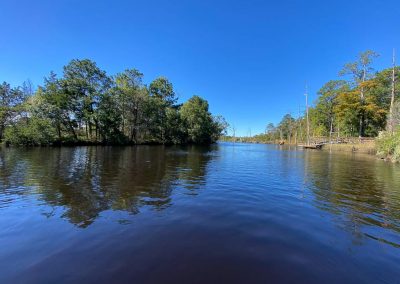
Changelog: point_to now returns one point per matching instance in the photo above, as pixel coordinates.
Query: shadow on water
(361, 191)
(86, 181)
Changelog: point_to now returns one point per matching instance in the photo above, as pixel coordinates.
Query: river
(227, 213)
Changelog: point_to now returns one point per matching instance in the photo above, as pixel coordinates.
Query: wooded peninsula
(87, 107)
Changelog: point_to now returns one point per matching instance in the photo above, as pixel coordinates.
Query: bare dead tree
(233, 132)
(391, 120)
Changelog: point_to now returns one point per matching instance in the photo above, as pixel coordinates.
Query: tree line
(86, 105)
(361, 102)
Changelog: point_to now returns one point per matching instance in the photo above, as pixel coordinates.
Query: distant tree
(270, 128)
(201, 127)
(233, 128)
(286, 126)
(271, 132)
(360, 71)
(326, 103)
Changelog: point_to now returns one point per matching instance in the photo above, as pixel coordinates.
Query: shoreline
(100, 144)
(362, 148)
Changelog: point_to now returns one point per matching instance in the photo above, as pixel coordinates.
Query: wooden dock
(311, 146)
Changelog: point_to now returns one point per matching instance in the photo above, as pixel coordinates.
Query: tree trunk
(362, 117)
(360, 129)
(96, 124)
(71, 127)
(90, 129)
(58, 131)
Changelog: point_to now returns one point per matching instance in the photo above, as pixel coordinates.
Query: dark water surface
(229, 213)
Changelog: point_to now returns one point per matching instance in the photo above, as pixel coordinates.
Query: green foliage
(343, 108)
(201, 127)
(132, 102)
(86, 105)
(175, 131)
(197, 119)
(357, 107)
(286, 126)
(324, 115)
(10, 101)
(31, 132)
(109, 120)
(361, 72)
(163, 90)
(388, 145)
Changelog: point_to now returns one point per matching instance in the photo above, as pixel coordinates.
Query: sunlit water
(229, 213)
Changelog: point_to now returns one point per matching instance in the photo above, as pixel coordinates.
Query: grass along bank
(363, 148)
(348, 144)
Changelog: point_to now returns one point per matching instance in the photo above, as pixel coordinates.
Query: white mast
(308, 122)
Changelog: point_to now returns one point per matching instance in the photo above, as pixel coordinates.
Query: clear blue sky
(250, 59)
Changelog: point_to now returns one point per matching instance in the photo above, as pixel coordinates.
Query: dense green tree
(162, 98)
(57, 105)
(10, 101)
(162, 89)
(132, 97)
(326, 104)
(109, 119)
(33, 129)
(287, 126)
(383, 92)
(198, 120)
(174, 129)
(85, 84)
(349, 108)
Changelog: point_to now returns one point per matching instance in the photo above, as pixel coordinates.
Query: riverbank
(366, 147)
(101, 144)
(362, 148)
(369, 147)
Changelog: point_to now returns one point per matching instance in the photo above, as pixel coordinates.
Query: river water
(228, 213)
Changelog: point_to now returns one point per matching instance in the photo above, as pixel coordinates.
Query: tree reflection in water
(86, 181)
(361, 192)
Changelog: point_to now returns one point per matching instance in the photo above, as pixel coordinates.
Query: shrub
(31, 132)
(389, 145)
